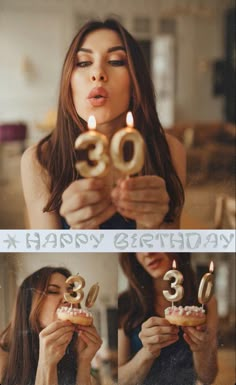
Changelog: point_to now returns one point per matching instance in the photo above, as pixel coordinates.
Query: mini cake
(75, 315)
(185, 316)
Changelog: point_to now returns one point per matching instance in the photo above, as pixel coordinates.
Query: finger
(142, 207)
(156, 321)
(83, 185)
(51, 328)
(159, 339)
(148, 219)
(64, 339)
(142, 195)
(196, 337)
(96, 221)
(60, 332)
(88, 340)
(140, 182)
(87, 213)
(95, 339)
(80, 199)
(157, 330)
(88, 329)
(202, 328)
(188, 340)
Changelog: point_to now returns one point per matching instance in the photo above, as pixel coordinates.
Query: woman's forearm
(206, 366)
(135, 370)
(83, 373)
(46, 375)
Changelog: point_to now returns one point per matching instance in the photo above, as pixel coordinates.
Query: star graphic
(11, 241)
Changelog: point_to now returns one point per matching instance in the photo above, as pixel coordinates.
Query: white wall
(40, 31)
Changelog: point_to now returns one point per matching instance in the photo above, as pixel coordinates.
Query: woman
(37, 348)
(104, 75)
(151, 351)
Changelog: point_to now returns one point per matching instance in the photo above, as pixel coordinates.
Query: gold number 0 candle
(98, 155)
(176, 285)
(92, 295)
(118, 140)
(205, 290)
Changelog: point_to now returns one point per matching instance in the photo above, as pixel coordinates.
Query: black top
(115, 222)
(174, 366)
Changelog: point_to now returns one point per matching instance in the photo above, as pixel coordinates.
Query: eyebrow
(54, 285)
(112, 49)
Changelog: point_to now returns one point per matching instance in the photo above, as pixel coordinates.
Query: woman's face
(100, 81)
(54, 298)
(155, 264)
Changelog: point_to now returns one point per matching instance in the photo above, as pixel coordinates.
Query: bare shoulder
(124, 347)
(29, 161)
(178, 156)
(175, 146)
(3, 363)
(31, 169)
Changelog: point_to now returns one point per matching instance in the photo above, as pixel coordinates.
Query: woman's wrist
(83, 373)
(148, 356)
(46, 374)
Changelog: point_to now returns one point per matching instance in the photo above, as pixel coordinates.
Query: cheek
(139, 258)
(48, 312)
(77, 86)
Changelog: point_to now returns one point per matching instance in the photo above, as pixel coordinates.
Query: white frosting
(74, 311)
(187, 310)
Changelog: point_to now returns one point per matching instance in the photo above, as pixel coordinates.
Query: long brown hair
(56, 152)
(21, 337)
(137, 303)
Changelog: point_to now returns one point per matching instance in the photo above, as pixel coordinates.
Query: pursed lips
(154, 262)
(98, 92)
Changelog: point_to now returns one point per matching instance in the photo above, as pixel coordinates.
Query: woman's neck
(160, 303)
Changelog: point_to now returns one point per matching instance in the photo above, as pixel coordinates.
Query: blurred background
(93, 268)
(224, 290)
(189, 46)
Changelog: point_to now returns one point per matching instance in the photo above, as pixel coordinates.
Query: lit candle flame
(211, 268)
(129, 119)
(91, 123)
(174, 264)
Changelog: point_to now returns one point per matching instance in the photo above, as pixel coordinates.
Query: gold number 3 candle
(71, 289)
(205, 290)
(135, 164)
(98, 155)
(176, 285)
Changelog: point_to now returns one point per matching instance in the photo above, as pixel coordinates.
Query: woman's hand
(88, 342)
(53, 341)
(143, 199)
(86, 203)
(156, 333)
(196, 337)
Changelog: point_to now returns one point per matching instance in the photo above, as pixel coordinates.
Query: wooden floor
(227, 368)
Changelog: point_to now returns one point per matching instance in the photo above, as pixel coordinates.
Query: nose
(98, 75)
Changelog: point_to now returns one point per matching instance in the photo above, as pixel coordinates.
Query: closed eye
(83, 64)
(117, 63)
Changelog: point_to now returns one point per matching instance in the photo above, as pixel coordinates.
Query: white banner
(12, 241)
